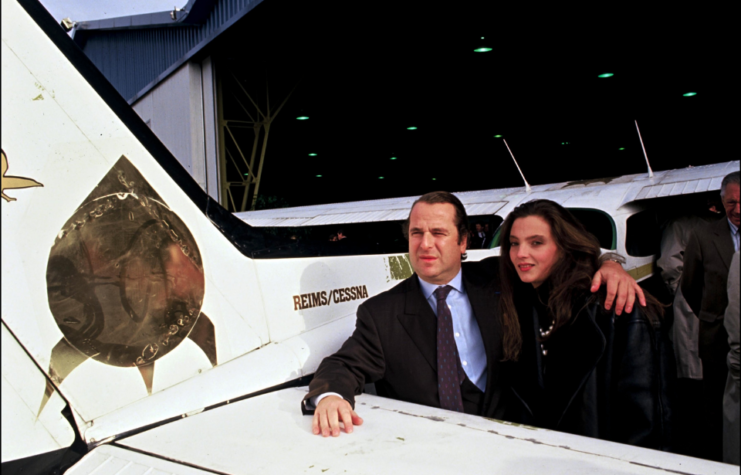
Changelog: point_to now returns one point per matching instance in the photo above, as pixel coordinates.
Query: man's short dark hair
(730, 178)
(435, 197)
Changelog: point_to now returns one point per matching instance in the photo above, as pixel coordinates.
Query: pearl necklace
(545, 334)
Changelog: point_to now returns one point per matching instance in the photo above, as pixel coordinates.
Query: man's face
(731, 203)
(433, 242)
(478, 228)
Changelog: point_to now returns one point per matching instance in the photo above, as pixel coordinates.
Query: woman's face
(533, 250)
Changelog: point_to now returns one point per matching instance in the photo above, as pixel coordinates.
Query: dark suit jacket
(395, 344)
(477, 242)
(707, 259)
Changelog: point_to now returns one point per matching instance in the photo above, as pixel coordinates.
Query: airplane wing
(131, 298)
(392, 209)
(266, 434)
(613, 193)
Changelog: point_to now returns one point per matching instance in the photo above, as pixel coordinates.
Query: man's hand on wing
(328, 414)
(619, 284)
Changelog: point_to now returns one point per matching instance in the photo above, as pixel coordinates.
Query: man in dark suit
(706, 263)
(479, 237)
(400, 337)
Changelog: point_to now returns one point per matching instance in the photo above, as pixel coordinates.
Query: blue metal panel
(135, 57)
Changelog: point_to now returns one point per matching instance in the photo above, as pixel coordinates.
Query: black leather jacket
(605, 376)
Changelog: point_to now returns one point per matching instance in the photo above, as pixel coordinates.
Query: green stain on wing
(400, 267)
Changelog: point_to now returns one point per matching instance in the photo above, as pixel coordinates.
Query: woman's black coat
(606, 376)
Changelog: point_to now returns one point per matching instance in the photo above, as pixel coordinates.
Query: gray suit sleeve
(693, 274)
(731, 318)
(670, 262)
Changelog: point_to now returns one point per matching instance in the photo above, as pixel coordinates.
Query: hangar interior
(288, 103)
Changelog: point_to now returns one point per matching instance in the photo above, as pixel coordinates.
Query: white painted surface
(269, 366)
(282, 279)
(69, 140)
(607, 195)
(175, 112)
(268, 434)
(108, 460)
(23, 433)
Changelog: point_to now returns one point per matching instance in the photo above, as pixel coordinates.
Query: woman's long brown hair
(570, 278)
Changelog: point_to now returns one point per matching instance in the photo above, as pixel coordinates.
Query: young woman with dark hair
(576, 367)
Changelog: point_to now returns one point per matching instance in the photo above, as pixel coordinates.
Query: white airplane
(136, 324)
(617, 210)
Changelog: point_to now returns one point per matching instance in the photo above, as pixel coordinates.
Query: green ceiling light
(434, 179)
(621, 148)
(318, 176)
(482, 37)
(392, 158)
(380, 178)
(246, 174)
(497, 136)
(482, 50)
(564, 143)
(689, 94)
(411, 128)
(312, 155)
(606, 75)
(302, 117)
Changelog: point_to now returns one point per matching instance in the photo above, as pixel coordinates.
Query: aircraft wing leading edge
(613, 192)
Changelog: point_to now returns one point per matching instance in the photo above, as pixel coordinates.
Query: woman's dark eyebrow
(534, 236)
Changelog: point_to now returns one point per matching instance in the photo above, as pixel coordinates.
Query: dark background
(368, 70)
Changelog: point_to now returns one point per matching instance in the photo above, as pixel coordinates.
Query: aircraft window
(598, 223)
(358, 239)
(497, 241)
(488, 224)
(643, 234)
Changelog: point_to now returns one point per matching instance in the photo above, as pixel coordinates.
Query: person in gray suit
(731, 422)
(704, 278)
(685, 326)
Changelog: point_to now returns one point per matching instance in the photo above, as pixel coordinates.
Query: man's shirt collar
(456, 283)
(734, 228)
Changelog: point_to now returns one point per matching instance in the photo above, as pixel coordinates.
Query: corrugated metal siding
(131, 59)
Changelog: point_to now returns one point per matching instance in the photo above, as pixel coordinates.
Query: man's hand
(619, 283)
(328, 414)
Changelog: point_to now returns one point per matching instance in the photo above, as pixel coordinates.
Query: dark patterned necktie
(449, 371)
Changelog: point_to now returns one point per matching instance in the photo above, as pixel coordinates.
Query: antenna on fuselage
(650, 172)
(527, 185)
